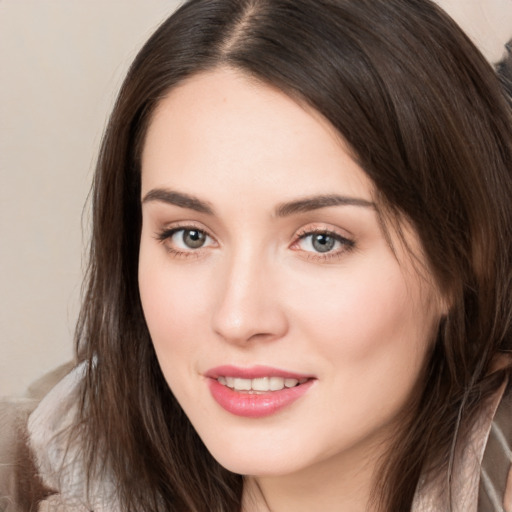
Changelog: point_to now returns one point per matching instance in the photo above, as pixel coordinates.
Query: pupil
(323, 243)
(193, 238)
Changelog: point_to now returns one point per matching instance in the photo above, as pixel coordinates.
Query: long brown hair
(425, 115)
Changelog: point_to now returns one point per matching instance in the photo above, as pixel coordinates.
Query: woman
(299, 294)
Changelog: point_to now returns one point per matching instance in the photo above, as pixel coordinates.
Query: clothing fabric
(57, 482)
(481, 475)
(54, 478)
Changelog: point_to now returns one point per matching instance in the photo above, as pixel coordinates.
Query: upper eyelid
(191, 225)
(184, 225)
(311, 230)
(319, 231)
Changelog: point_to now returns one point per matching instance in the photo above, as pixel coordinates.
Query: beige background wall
(61, 64)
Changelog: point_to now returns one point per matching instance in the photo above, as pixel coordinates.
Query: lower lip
(255, 405)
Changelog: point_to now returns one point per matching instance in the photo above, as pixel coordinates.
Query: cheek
(356, 310)
(173, 302)
(372, 327)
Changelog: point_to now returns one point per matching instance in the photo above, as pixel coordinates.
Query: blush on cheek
(358, 315)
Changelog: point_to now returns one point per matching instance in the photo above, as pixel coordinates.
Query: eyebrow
(178, 199)
(308, 204)
(302, 205)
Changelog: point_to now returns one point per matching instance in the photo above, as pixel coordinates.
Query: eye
(190, 238)
(323, 243)
(182, 240)
(320, 242)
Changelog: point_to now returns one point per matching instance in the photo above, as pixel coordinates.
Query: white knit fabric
(60, 464)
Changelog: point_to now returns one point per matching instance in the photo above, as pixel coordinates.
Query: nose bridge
(247, 305)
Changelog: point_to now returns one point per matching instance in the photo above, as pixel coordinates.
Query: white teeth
(242, 384)
(260, 384)
(290, 383)
(276, 383)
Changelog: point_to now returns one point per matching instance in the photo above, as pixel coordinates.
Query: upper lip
(253, 372)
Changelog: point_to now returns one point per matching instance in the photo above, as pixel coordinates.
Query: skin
(358, 318)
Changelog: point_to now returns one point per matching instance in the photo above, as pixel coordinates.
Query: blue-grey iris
(323, 243)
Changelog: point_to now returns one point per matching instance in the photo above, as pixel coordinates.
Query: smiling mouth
(257, 391)
(260, 384)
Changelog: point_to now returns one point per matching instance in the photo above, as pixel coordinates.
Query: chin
(256, 466)
(246, 456)
(261, 455)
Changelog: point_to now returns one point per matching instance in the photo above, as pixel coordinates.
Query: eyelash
(347, 244)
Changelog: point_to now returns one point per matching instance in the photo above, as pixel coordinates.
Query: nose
(249, 306)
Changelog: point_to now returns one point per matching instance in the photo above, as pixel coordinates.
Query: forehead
(222, 126)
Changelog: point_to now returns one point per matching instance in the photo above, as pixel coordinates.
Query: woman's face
(284, 324)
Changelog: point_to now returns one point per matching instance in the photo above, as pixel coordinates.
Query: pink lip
(253, 372)
(254, 405)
